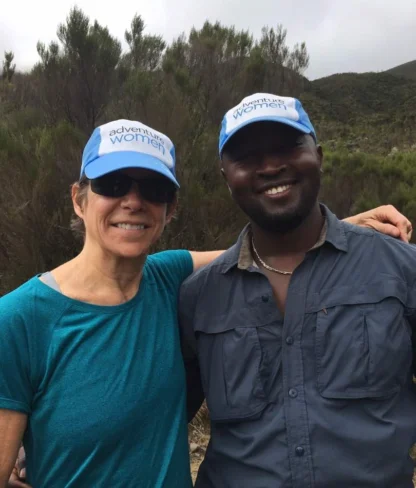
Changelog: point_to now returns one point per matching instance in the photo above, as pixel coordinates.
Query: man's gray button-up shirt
(322, 397)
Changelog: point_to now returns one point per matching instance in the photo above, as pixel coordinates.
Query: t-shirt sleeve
(172, 266)
(15, 374)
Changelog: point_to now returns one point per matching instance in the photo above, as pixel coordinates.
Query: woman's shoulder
(171, 267)
(177, 258)
(32, 301)
(20, 296)
(16, 314)
(170, 255)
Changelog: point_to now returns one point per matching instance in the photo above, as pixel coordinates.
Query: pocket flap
(257, 315)
(364, 294)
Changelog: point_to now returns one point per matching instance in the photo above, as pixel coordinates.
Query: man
(301, 330)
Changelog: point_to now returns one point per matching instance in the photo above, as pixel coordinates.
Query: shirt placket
(293, 378)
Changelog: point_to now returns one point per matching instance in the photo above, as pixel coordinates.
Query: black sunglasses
(117, 184)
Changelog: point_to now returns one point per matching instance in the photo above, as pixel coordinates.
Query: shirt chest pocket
(230, 360)
(363, 342)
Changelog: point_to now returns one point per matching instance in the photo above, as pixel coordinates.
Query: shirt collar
(240, 253)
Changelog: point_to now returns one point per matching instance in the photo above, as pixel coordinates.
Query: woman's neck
(97, 277)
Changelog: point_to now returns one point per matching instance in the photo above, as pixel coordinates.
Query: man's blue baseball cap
(265, 107)
(123, 144)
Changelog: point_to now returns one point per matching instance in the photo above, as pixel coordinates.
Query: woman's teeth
(130, 226)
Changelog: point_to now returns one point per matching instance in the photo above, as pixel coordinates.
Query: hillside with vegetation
(406, 70)
(366, 123)
(372, 112)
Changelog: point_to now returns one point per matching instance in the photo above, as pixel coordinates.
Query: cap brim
(280, 120)
(115, 161)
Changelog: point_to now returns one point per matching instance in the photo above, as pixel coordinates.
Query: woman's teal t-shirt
(103, 387)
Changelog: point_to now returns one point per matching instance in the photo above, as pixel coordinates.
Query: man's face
(273, 172)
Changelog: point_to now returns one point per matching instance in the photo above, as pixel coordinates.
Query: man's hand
(18, 476)
(385, 219)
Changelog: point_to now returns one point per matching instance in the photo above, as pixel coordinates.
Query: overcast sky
(341, 35)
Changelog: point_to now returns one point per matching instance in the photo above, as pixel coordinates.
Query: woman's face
(126, 226)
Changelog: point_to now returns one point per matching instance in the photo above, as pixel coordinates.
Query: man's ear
(225, 179)
(171, 209)
(320, 154)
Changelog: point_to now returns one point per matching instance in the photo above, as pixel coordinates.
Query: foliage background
(365, 122)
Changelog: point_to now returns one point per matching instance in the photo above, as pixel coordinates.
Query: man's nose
(271, 164)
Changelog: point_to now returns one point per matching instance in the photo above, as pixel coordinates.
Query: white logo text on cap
(261, 105)
(126, 135)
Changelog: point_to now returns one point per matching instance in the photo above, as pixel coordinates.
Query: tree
(53, 75)
(207, 70)
(8, 68)
(139, 72)
(274, 66)
(81, 75)
(145, 50)
(93, 55)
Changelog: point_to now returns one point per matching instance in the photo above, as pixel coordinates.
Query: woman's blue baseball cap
(123, 144)
(264, 107)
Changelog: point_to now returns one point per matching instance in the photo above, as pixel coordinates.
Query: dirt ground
(199, 433)
(198, 442)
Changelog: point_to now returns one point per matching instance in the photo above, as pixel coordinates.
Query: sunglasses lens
(115, 185)
(111, 185)
(157, 190)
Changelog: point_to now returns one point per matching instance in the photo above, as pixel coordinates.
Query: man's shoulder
(358, 232)
(376, 242)
(213, 270)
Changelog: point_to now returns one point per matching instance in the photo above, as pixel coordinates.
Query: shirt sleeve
(15, 374)
(173, 267)
(411, 318)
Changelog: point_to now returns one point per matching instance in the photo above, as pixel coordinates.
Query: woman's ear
(77, 200)
(171, 209)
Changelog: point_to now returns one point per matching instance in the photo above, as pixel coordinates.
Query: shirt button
(265, 298)
(300, 451)
(293, 393)
(289, 340)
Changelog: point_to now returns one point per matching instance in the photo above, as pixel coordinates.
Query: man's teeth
(130, 226)
(277, 189)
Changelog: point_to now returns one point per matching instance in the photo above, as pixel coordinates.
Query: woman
(91, 375)
(91, 370)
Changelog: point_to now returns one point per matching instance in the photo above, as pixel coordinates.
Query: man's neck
(298, 240)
